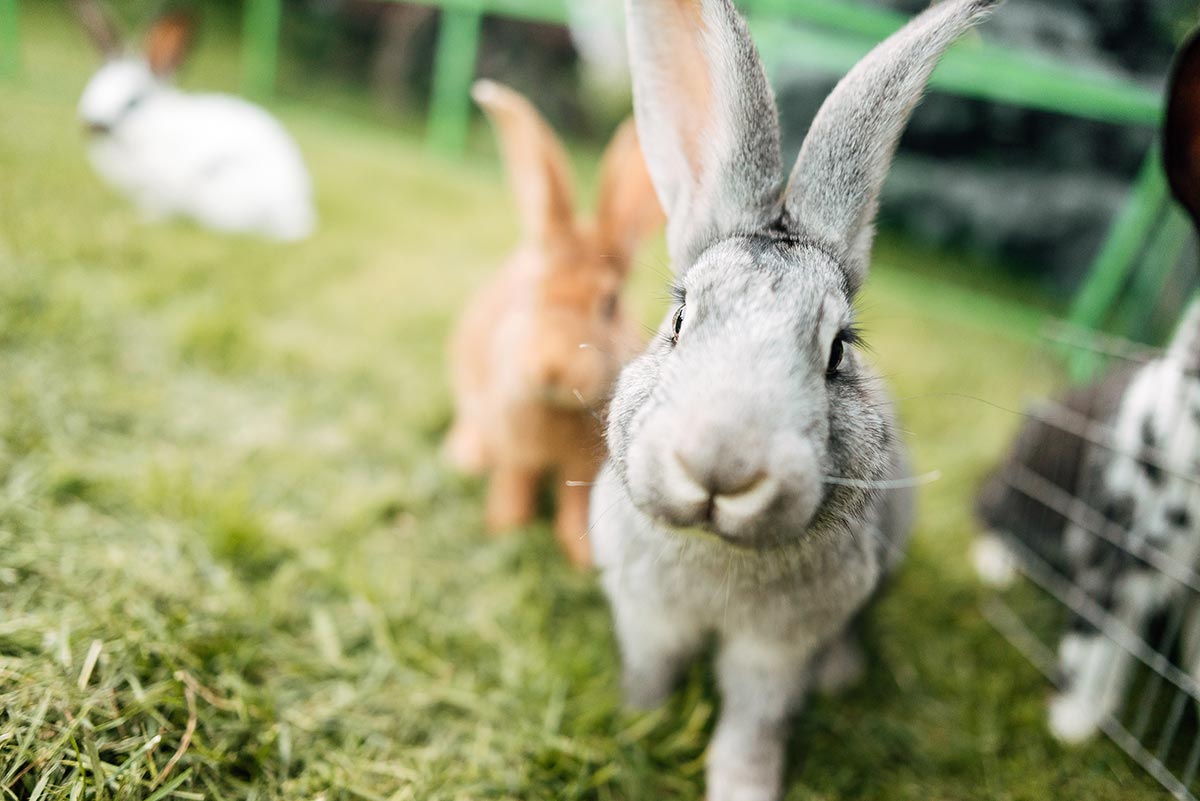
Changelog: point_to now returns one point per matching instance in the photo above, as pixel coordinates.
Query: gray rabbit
(756, 489)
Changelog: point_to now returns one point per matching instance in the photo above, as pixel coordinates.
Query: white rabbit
(756, 489)
(217, 159)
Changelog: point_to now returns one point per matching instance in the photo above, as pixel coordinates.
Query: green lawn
(231, 565)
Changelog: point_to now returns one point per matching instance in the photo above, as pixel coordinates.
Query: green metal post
(1162, 256)
(10, 39)
(454, 70)
(1117, 257)
(260, 46)
(1110, 273)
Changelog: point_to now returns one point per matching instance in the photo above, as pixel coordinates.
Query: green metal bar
(260, 46)
(874, 23)
(10, 38)
(553, 11)
(1110, 273)
(970, 70)
(453, 72)
(1162, 256)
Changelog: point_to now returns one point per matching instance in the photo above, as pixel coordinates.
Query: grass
(232, 567)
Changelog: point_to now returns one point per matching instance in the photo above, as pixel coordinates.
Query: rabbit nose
(722, 462)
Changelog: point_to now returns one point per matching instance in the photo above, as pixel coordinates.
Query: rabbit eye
(836, 353)
(677, 325)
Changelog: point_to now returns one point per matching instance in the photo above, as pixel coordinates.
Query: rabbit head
(573, 335)
(753, 394)
(125, 80)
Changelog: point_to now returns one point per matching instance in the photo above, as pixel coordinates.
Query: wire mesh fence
(1098, 507)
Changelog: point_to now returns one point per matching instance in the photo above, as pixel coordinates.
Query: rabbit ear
(833, 193)
(707, 121)
(627, 211)
(168, 42)
(538, 169)
(99, 27)
(1181, 133)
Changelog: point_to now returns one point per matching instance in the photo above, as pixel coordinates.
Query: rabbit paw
(994, 562)
(1073, 720)
(463, 450)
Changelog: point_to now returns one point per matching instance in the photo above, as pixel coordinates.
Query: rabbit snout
(563, 367)
(737, 483)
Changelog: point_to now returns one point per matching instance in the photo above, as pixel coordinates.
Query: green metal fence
(831, 36)
(821, 35)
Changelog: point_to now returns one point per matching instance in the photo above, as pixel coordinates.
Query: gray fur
(712, 516)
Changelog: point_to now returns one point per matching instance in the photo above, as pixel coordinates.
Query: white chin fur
(733, 513)
(994, 562)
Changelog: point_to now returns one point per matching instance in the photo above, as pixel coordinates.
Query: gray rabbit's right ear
(834, 190)
(99, 27)
(706, 119)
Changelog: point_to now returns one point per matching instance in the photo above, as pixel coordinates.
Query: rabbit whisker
(583, 402)
(902, 483)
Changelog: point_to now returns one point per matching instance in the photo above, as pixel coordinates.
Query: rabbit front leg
(512, 492)
(656, 643)
(1095, 668)
(762, 685)
(571, 519)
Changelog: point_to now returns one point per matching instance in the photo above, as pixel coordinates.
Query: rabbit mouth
(563, 398)
(564, 395)
(97, 128)
(734, 518)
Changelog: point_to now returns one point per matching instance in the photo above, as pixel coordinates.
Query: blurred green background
(227, 544)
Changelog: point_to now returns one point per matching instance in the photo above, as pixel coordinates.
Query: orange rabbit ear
(1181, 134)
(168, 42)
(537, 162)
(628, 210)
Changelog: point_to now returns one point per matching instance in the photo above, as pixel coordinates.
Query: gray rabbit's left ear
(834, 190)
(706, 119)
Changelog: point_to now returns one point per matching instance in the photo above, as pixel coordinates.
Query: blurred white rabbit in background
(213, 158)
(598, 32)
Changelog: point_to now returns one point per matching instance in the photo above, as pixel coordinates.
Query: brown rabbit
(538, 349)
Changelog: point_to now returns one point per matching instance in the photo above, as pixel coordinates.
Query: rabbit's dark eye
(677, 325)
(836, 353)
